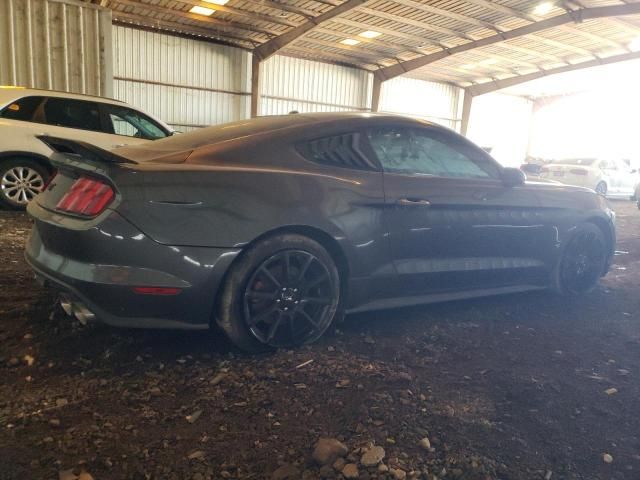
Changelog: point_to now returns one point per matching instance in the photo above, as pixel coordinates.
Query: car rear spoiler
(83, 150)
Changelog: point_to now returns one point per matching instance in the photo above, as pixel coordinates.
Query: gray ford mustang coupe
(274, 227)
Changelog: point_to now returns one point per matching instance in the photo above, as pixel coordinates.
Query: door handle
(414, 202)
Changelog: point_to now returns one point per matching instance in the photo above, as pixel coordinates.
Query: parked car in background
(532, 166)
(612, 178)
(272, 227)
(26, 113)
(531, 169)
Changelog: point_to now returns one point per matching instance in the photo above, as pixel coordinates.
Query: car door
(627, 178)
(611, 176)
(453, 224)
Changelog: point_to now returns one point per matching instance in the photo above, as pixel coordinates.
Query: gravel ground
(529, 386)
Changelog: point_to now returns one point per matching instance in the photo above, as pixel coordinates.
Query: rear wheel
(583, 260)
(601, 188)
(21, 179)
(283, 292)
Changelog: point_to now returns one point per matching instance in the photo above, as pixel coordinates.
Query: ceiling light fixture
(217, 2)
(202, 10)
(468, 66)
(369, 34)
(543, 8)
(350, 41)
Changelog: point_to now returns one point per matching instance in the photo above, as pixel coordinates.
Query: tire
(601, 188)
(582, 261)
(266, 305)
(21, 179)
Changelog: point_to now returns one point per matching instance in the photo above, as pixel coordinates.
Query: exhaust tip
(83, 314)
(66, 304)
(76, 309)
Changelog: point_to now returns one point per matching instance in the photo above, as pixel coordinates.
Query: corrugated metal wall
(436, 102)
(56, 44)
(295, 84)
(185, 82)
(190, 83)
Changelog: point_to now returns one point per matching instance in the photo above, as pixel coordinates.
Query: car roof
(291, 125)
(11, 93)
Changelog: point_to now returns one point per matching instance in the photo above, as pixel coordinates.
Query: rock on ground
(350, 470)
(372, 456)
(328, 450)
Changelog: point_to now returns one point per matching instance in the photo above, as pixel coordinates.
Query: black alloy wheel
(284, 291)
(289, 299)
(583, 261)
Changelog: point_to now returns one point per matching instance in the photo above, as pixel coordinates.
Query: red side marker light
(157, 290)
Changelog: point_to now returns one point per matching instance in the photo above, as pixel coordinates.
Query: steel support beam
(375, 94)
(269, 48)
(482, 88)
(578, 16)
(466, 111)
(255, 86)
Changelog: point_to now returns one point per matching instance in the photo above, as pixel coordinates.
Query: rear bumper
(100, 266)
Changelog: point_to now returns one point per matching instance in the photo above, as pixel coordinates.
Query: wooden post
(255, 85)
(466, 111)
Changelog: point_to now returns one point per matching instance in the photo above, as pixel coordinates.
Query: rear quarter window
(342, 151)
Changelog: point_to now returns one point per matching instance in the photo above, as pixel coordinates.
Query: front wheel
(21, 180)
(583, 260)
(283, 292)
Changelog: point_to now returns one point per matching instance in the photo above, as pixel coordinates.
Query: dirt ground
(513, 387)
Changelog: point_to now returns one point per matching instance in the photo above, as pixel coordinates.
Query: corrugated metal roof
(409, 28)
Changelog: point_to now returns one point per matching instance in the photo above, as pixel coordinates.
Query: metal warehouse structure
(210, 61)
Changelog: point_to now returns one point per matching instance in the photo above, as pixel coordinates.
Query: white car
(27, 113)
(613, 178)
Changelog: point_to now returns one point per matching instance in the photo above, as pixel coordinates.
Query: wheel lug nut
(286, 308)
(296, 302)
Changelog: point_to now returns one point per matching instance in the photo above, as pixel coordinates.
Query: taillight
(87, 197)
(578, 171)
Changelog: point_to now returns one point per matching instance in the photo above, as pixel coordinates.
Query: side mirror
(512, 177)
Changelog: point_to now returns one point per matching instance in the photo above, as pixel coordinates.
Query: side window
(79, 114)
(338, 151)
(130, 123)
(608, 165)
(415, 151)
(22, 109)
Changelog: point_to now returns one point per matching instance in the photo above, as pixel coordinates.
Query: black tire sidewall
(558, 284)
(8, 164)
(229, 312)
(606, 188)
